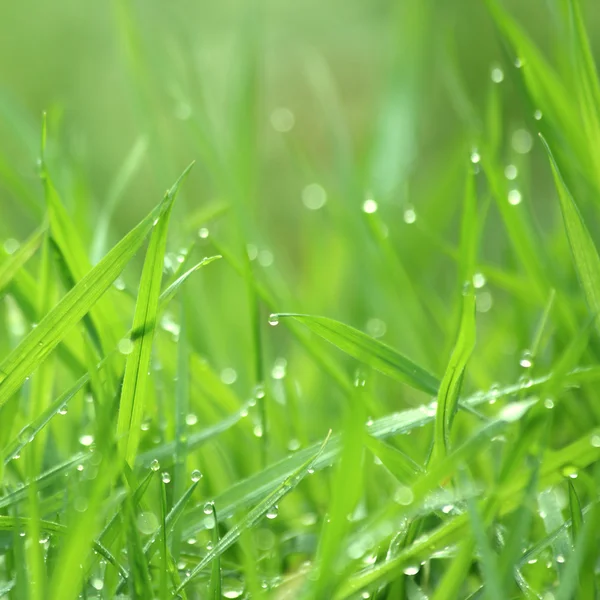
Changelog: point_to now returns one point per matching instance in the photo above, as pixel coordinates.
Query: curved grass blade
(131, 406)
(585, 254)
(40, 342)
(452, 380)
(255, 514)
(13, 263)
(368, 350)
(214, 591)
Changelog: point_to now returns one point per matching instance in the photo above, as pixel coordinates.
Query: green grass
(351, 353)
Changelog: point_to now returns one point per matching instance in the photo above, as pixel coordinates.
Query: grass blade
(40, 342)
(583, 249)
(255, 515)
(131, 407)
(368, 350)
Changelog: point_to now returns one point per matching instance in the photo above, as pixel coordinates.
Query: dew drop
(196, 475)
(147, 523)
(475, 157)
(228, 376)
(411, 569)
(155, 465)
(526, 360)
(125, 346)
(165, 477)
(11, 246)
(314, 196)
(514, 197)
(522, 141)
(203, 233)
(549, 403)
(497, 75)
(478, 280)
(404, 496)
(369, 206)
(595, 441)
(208, 508)
(518, 62)
(26, 435)
(258, 430)
(273, 320)
(560, 558)
(410, 216)
(259, 391)
(191, 419)
(272, 512)
(282, 119)
(511, 172)
(569, 471)
(86, 440)
(537, 115)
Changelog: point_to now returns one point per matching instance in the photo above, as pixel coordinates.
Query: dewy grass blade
(13, 263)
(452, 380)
(585, 254)
(40, 342)
(131, 407)
(368, 350)
(255, 514)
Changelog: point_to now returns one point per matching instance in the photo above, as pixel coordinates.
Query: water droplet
(404, 496)
(467, 288)
(526, 359)
(232, 590)
(282, 119)
(258, 430)
(497, 75)
(273, 320)
(147, 523)
(447, 509)
(514, 197)
(125, 346)
(259, 391)
(272, 512)
(26, 435)
(265, 258)
(196, 475)
(560, 558)
(369, 206)
(191, 541)
(376, 327)
(86, 440)
(279, 368)
(570, 471)
(155, 223)
(169, 324)
(411, 569)
(549, 403)
(478, 280)
(44, 538)
(294, 444)
(119, 284)
(314, 196)
(595, 441)
(484, 302)
(208, 508)
(522, 141)
(228, 376)
(203, 233)
(11, 246)
(511, 172)
(191, 419)
(165, 477)
(155, 465)
(97, 584)
(537, 115)
(410, 216)
(475, 157)
(518, 62)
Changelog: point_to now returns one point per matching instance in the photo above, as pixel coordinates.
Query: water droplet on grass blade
(369, 206)
(272, 512)
(196, 475)
(191, 419)
(165, 477)
(273, 320)
(595, 441)
(208, 508)
(26, 435)
(125, 346)
(155, 465)
(203, 233)
(526, 359)
(475, 157)
(404, 496)
(497, 75)
(411, 569)
(410, 216)
(86, 440)
(514, 197)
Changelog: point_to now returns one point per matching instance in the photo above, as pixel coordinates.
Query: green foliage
(175, 431)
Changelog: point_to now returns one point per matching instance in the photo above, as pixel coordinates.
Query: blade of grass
(368, 350)
(131, 407)
(40, 342)
(255, 514)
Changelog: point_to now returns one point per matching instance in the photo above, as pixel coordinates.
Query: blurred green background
(296, 114)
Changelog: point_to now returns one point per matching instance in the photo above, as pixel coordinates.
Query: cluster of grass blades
(324, 462)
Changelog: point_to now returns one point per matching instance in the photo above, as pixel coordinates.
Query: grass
(347, 354)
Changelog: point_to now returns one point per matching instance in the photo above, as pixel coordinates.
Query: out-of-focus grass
(385, 387)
